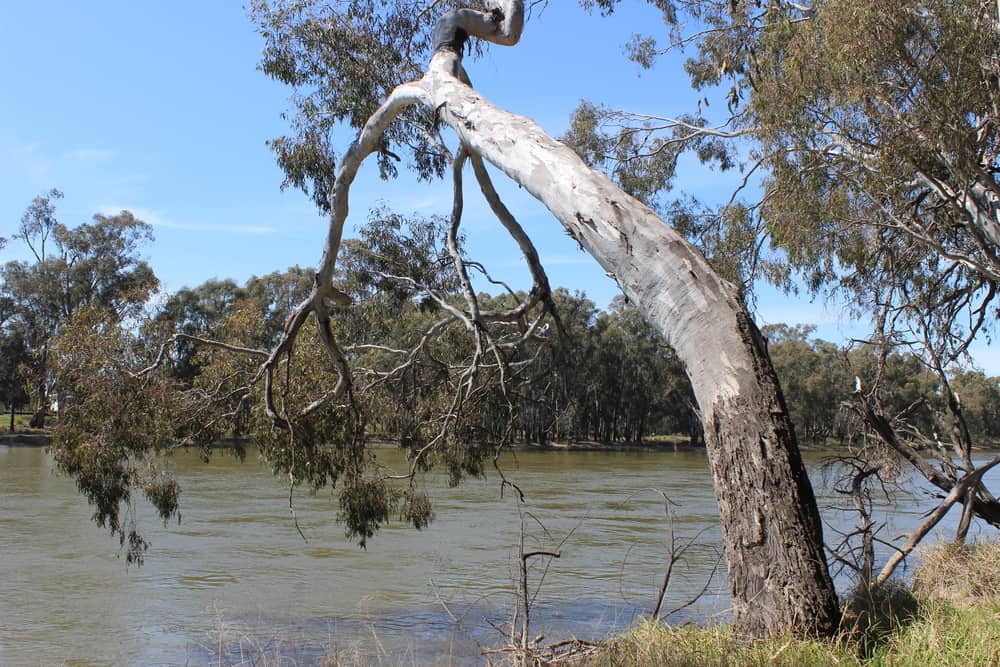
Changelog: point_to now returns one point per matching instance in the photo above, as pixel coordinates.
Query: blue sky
(158, 108)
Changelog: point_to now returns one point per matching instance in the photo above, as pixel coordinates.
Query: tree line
(600, 375)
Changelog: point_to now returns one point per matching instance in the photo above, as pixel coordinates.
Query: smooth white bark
(667, 278)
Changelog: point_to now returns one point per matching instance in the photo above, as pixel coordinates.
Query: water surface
(236, 572)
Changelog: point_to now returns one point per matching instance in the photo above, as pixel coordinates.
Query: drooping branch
(200, 340)
(324, 293)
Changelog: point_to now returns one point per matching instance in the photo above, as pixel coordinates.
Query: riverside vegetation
(949, 617)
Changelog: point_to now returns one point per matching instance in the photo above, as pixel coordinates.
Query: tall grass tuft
(961, 573)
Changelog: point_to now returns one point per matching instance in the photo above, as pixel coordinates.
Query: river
(235, 575)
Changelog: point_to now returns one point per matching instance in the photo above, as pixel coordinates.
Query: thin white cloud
(31, 164)
(156, 219)
(84, 154)
(428, 203)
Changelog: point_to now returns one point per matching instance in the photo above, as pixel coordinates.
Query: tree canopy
(95, 265)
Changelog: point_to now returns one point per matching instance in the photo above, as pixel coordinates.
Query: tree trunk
(770, 523)
(38, 418)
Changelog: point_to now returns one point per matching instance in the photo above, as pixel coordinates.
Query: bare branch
(970, 481)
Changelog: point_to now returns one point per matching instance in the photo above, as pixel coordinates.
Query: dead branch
(958, 492)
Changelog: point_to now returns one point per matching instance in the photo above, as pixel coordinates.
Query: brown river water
(234, 575)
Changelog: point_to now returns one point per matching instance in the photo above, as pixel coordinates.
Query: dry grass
(962, 574)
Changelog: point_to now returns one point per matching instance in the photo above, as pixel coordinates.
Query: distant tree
(93, 265)
(816, 377)
(13, 358)
(195, 311)
(979, 396)
(279, 293)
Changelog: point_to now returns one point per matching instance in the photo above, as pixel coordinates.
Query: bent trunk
(771, 527)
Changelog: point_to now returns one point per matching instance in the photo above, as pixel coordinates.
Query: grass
(950, 618)
(668, 438)
(651, 644)
(21, 423)
(962, 574)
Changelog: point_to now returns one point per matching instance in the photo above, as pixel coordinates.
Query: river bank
(948, 615)
(31, 438)
(26, 439)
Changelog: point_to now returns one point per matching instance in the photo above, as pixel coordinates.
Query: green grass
(672, 438)
(941, 634)
(650, 644)
(21, 422)
(948, 635)
(951, 618)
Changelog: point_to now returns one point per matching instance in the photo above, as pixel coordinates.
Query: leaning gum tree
(771, 527)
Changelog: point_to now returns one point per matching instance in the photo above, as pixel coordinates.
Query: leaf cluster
(342, 59)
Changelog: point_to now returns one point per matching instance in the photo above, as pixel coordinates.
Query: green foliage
(114, 422)
(416, 509)
(194, 311)
(873, 130)
(365, 505)
(816, 377)
(855, 108)
(94, 265)
(341, 60)
(14, 358)
(198, 310)
(979, 396)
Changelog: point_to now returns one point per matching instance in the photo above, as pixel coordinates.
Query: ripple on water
(205, 581)
(324, 552)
